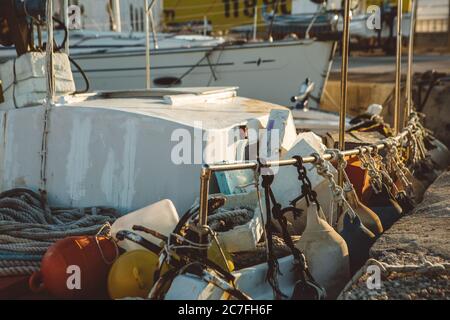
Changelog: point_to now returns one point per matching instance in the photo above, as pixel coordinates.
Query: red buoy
(76, 268)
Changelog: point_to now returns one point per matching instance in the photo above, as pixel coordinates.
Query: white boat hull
(125, 152)
(270, 72)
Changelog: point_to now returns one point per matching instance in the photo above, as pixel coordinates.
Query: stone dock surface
(418, 238)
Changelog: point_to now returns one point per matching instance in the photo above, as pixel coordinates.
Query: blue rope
(4, 255)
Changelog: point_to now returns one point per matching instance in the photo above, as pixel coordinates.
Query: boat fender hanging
(379, 196)
(359, 239)
(405, 202)
(306, 288)
(368, 217)
(326, 253)
(385, 207)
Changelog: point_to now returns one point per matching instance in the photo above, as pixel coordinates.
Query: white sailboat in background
(256, 68)
(116, 60)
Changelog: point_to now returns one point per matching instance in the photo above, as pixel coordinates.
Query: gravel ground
(423, 235)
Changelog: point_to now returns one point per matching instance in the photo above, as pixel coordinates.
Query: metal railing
(207, 170)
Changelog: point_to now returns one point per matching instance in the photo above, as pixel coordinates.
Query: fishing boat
(113, 177)
(119, 149)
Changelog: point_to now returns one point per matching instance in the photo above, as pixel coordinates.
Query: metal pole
(147, 46)
(152, 22)
(49, 55)
(344, 78)
(116, 14)
(255, 22)
(409, 89)
(205, 178)
(448, 26)
(205, 25)
(66, 22)
(270, 38)
(398, 71)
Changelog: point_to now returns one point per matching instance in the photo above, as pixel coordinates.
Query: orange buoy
(357, 175)
(76, 268)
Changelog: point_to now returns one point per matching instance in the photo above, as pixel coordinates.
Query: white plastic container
(161, 217)
(243, 237)
(25, 83)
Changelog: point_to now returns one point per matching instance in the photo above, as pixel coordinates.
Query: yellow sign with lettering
(406, 3)
(222, 14)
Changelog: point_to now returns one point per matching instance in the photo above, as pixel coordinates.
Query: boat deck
(210, 108)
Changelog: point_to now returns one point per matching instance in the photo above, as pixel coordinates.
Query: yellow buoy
(220, 256)
(132, 275)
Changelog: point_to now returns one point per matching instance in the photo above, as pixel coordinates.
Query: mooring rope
(28, 227)
(17, 271)
(426, 267)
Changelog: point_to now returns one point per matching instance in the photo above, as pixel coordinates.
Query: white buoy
(326, 253)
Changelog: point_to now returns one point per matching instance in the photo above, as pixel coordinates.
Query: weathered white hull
(119, 152)
(266, 71)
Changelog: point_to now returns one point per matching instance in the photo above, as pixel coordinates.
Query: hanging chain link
(395, 165)
(368, 164)
(387, 180)
(339, 200)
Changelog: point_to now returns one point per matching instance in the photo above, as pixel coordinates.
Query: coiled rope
(28, 227)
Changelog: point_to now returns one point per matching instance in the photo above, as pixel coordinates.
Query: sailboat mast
(409, 90)
(117, 17)
(344, 80)
(147, 45)
(49, 54)
(149, 20)
(398, 71)
(66, 22)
